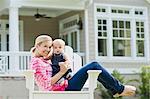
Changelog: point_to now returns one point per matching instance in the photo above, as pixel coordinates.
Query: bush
(145, 83)
(106, 94)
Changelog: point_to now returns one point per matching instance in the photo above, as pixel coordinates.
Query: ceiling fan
(38, 15)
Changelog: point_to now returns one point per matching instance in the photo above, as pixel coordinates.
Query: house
(112, 32)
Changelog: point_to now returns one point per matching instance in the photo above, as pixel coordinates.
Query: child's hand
(65, 64)
(63, 68)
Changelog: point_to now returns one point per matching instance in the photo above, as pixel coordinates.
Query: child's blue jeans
(108, 81)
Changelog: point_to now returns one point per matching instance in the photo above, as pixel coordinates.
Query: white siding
(92, 39)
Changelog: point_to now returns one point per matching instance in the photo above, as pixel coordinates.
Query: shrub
(106, 94)
(145, 83)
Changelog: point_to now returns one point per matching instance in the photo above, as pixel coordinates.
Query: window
(101, 10)
(69, 31)
(140, 38)
(120, 11)
(102, 37)
(121, 32)
(71, 39)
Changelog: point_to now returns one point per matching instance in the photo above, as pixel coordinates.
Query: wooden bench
(76, 64)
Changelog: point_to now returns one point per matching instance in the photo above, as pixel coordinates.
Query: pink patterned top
(43, 74)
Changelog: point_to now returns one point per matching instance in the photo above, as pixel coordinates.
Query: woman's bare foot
(128, 91)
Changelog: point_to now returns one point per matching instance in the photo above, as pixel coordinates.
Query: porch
(11, 62)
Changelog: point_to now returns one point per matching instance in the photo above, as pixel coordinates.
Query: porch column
(86, 36)
(13, 37)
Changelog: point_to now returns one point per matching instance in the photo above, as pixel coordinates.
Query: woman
(47, 82)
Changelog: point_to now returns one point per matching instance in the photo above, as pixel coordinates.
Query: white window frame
(109, 16)
(69, 30)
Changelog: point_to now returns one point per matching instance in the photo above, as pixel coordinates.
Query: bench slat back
(76, 61)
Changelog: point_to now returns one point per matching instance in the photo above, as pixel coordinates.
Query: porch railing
(16, 61)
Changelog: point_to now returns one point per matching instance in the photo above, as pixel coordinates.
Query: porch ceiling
(24, 11)
(51, 8)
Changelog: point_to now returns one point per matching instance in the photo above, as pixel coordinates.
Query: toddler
(59, 57)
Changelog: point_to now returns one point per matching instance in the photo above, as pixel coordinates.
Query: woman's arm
(56, 77)
(43, 73)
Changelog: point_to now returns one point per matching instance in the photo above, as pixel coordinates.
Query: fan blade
(47, 17)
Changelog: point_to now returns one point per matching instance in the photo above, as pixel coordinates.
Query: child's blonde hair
(40, 39)
(59, 41)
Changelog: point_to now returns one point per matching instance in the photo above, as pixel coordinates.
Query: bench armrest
(93, 74)
(29, 77)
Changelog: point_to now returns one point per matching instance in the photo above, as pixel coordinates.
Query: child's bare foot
(128, 91)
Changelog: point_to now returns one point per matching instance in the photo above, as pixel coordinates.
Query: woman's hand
(63, 70)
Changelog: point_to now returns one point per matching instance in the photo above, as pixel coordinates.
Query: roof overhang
(59, 4)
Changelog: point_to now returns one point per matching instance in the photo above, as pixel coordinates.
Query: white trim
(122, 60)
(21, 43)
(55, 4)
(120, 6)
(69, 30)
(86, 33)
(66, 20)
(125, 70)
(96, 31)
(5, 31)
(131, 17)
(147, 50)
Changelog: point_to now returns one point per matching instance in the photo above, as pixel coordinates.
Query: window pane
(121, 48)
(7, 42)
(114, 11)
(115, 33)
(142, 23)
(140, 30)
(121, 24)
(98, 10)
(99, 22)
(104, 22)
(141, 13)
(99, 28)
(127, 24)
(74, 41)
(120, 11)
(128, 33)
(121, 33)
(105, 34)
(140, 48)
(102, 47)
(137, 23)
(102, 28)
(115, 24)
(126, 12)
(99, 33)
(103, 10)
(65, 38)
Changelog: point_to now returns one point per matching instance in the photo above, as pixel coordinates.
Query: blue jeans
(108, 81)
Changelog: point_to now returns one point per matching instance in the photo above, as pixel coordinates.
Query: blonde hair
(59, 41)
(40, 39)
